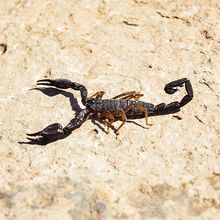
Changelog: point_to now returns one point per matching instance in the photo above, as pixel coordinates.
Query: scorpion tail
(171, 88)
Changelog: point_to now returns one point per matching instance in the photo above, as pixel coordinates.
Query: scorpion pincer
(123, 106)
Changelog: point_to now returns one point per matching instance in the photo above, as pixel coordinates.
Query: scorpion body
(123, 106)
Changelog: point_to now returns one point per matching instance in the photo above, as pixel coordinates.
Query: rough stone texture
(170, 171)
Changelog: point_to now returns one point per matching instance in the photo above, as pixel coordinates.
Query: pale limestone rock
(169, 171)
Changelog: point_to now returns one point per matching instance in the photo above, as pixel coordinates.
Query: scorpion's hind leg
(129, 95)
(122, 114)
(144, 110)
(65, 84)
(141, 109)
(123, 94)
(56, 131)
(135, 96)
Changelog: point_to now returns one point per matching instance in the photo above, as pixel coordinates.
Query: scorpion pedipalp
(65, 84)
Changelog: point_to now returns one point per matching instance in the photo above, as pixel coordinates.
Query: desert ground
(170, 170)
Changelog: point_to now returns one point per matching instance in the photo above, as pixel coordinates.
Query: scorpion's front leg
(97, 95)
(56, 131)
(65, 84)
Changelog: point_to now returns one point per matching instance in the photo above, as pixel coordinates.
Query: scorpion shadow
(54, 92)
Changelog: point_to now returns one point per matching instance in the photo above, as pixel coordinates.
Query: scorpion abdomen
(112, 105)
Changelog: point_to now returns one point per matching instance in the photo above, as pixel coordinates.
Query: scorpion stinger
(170, 88)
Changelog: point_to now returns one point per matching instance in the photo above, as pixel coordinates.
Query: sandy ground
(169, 171)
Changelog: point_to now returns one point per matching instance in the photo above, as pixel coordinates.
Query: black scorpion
(123, 106)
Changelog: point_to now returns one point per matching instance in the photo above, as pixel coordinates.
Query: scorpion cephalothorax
(123, 106)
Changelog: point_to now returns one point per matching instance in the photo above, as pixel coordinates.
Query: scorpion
(122, 106)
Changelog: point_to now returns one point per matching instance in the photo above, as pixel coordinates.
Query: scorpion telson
(123, 106)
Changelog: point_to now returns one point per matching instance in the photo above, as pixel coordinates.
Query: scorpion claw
(52, 131)
(33, 134)
(65, 84)
(59, 83)
(44, 82)
(34, 139)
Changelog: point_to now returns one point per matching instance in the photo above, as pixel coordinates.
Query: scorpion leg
(140, 108)
(56, 131)
(135, 96)
(124, 119)
(144, 110)
(109, 118)
(122, 114)
(65, 84)
(129, 95)
(97, 95)
(123, 94)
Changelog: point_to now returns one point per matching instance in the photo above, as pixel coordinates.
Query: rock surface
(169, 171)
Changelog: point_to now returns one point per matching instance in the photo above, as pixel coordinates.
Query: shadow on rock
(54, 91)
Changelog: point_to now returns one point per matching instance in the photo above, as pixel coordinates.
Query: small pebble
(177, 117)
(3, 48)
(95, 131)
